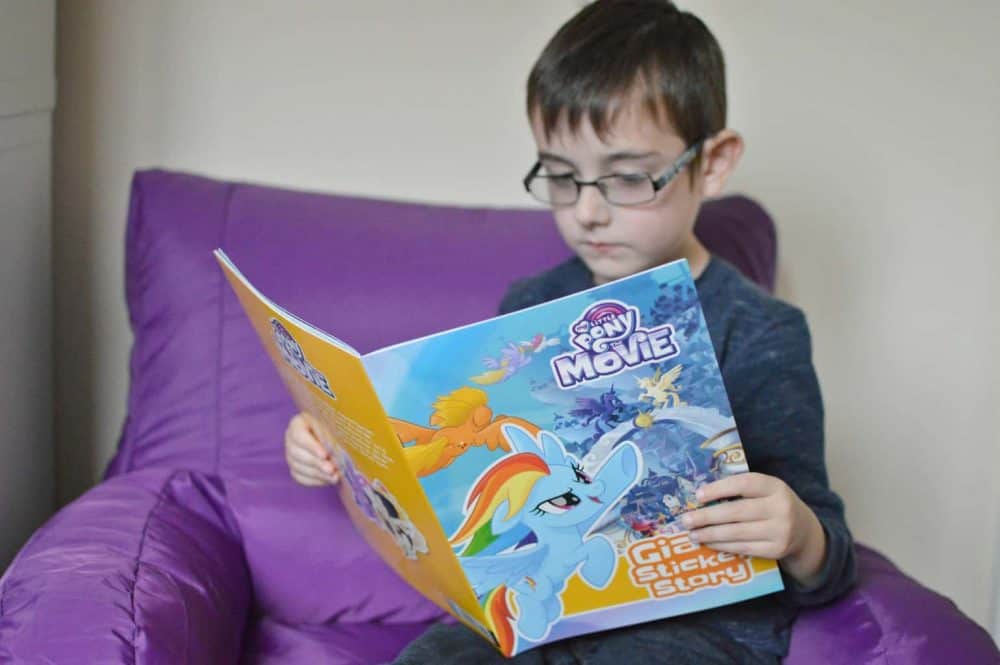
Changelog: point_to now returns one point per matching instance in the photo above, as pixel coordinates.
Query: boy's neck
(697, 257)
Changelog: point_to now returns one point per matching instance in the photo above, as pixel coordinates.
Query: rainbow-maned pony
(526, 528)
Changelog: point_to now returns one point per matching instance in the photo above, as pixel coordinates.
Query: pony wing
(430, 457)
(486, 573)
(492, 435)
(671, 376)
(407, 431)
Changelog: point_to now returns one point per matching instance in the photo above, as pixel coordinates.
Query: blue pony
(526, 528)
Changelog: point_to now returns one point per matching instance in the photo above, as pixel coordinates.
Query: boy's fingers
(747, 485)
(309, 462)
(304, 431)
(306, 455)
(302, 454)
(761, 548)
(741, 510)
(317, 447)
(303, 472)
(308, 482)
(313, 432)
(730, 533)
(308, 436)
(309, 449)
(304, 476)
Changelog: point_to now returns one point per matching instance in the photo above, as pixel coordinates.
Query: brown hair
(615, 52)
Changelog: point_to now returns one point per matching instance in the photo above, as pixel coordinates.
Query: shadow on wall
(76, 231)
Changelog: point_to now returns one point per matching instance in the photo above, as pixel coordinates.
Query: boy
(627, 107)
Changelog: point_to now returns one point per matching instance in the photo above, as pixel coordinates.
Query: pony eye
(557, 504)
(581, 477)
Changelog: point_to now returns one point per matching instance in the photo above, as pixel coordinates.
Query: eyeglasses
(620, 189)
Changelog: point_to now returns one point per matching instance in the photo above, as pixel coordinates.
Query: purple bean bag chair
(199, 548)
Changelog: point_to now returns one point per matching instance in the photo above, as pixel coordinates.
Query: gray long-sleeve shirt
(764, 351)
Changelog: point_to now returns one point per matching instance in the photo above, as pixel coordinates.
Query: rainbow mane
(510, 479)
(527, 531)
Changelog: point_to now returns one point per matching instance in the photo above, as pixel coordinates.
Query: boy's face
(617, 241)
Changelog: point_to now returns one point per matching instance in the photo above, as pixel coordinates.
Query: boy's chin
(606, 271)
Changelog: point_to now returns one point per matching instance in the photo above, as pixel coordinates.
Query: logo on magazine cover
(673, 565)
(609, 340)
(292, 353)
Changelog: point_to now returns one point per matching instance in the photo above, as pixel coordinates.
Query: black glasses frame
(658, 183)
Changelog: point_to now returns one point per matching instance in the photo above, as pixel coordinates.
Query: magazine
(527, 473)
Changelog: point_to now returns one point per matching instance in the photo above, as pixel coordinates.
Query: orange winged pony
(460, 419)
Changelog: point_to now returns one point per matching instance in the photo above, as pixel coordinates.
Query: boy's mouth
(600, 247)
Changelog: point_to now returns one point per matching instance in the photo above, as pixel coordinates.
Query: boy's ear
(719, 157)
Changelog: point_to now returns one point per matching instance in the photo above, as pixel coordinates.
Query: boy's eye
(557, 504)
(561, 187)
(561, 180)
(631, 179)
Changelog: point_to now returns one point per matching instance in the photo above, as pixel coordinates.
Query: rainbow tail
(500, 619)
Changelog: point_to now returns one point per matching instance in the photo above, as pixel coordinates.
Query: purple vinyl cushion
(147, 567)
(200, 548)
(204, 396)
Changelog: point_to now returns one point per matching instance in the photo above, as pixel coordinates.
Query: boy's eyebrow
(621, 156)
(629, 155)
(548, 156)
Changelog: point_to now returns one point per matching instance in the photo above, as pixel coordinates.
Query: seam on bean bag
(161, 495)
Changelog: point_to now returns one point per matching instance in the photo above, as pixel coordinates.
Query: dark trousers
(674, 641)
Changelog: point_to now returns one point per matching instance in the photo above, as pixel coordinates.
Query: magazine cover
(527, 472)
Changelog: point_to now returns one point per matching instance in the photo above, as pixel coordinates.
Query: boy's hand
(767, 519)
(309, 462)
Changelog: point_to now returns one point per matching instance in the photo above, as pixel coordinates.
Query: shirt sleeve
(518, 296)
(779, 413)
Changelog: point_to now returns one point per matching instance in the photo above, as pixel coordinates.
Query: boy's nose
(591, 209)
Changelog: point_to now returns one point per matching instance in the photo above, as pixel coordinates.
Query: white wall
(872, 139)
(27, 94)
